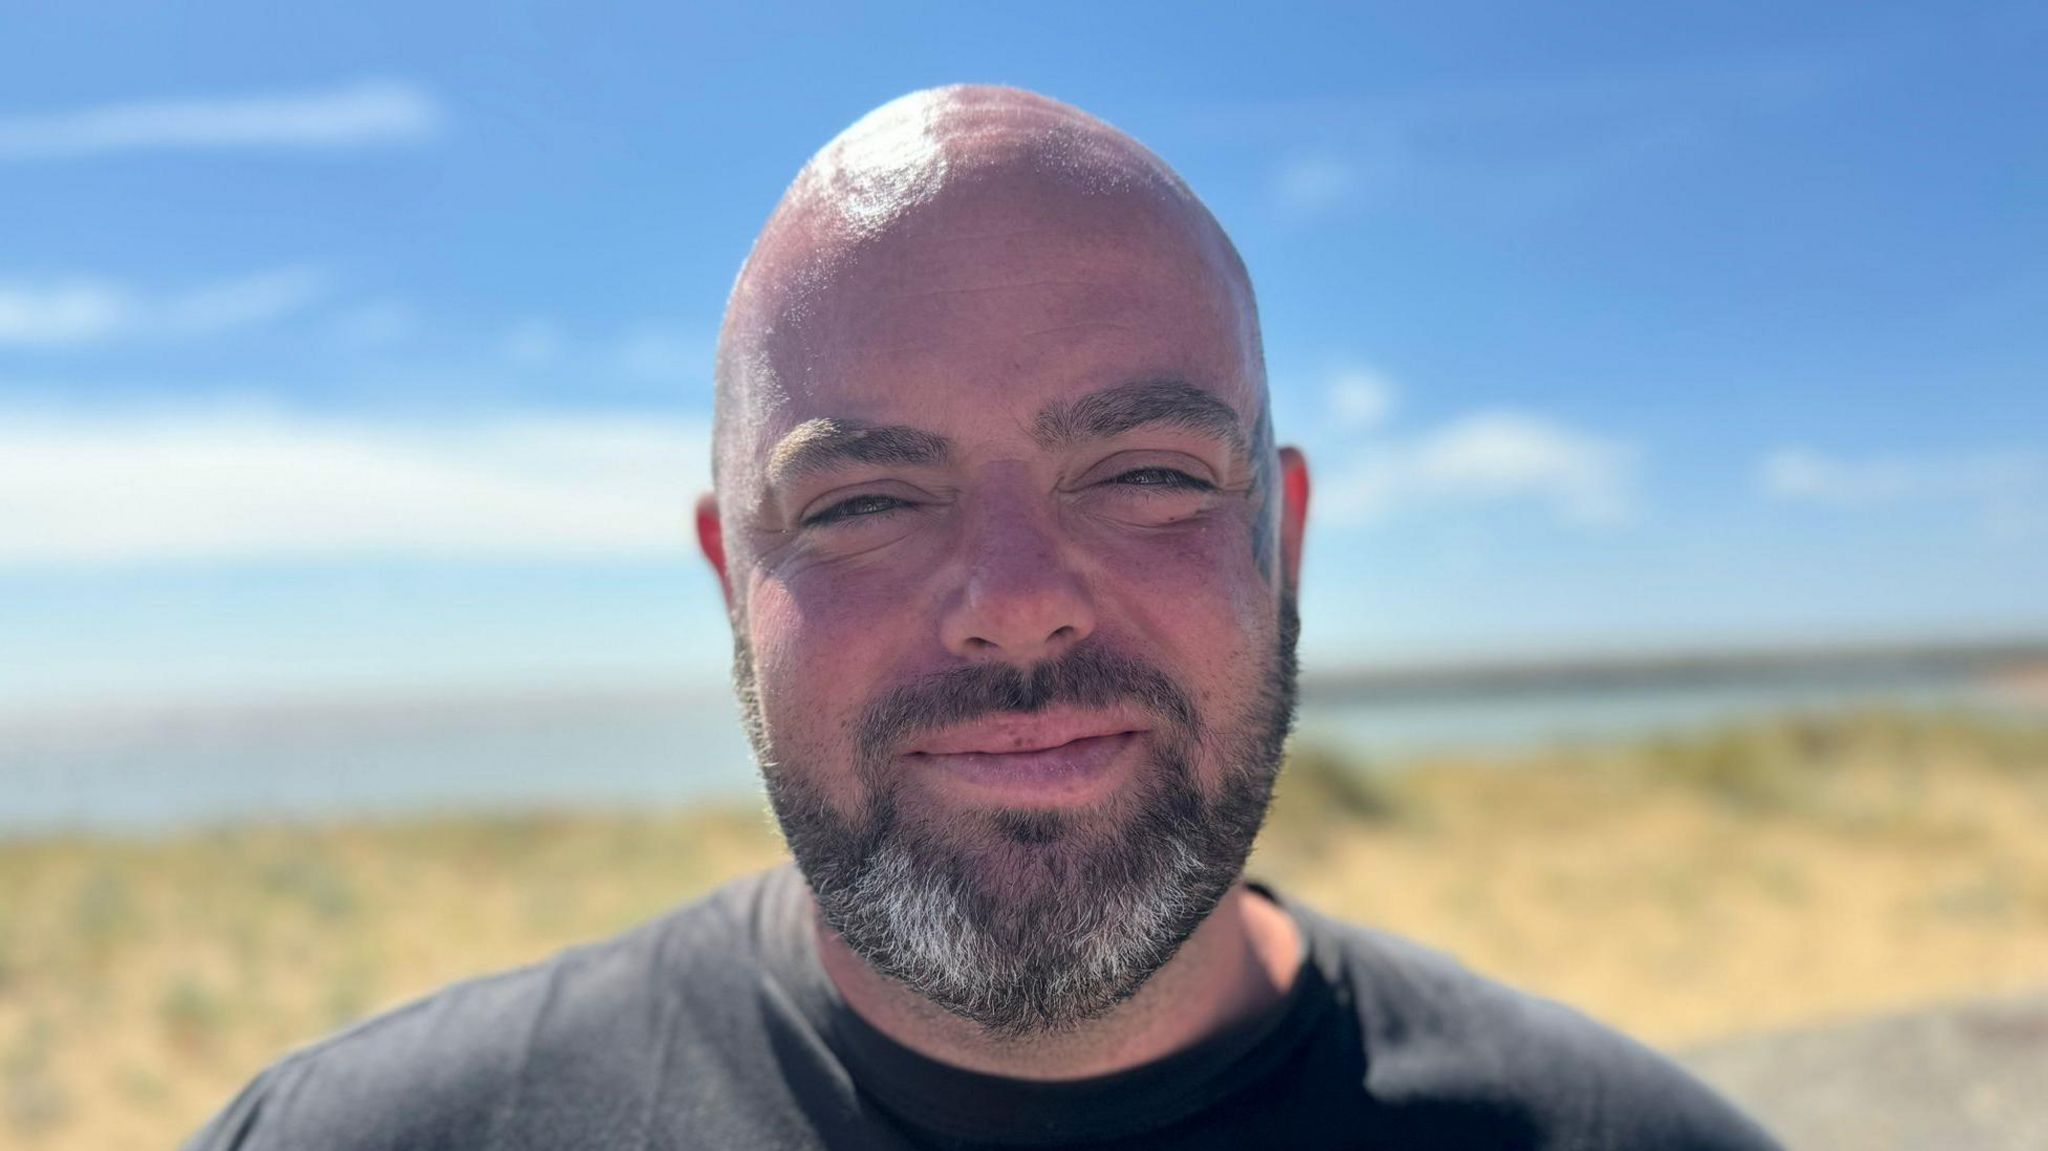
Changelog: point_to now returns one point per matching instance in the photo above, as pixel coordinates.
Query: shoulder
(454, 1069)
(1437, 1035)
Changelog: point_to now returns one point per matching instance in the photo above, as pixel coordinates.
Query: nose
(1020, 599)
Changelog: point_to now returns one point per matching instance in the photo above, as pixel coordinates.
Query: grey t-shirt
(715, 1027)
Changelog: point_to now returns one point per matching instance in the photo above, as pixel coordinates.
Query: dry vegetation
(1754, 877)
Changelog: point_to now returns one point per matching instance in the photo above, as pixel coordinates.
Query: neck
(1240, 961)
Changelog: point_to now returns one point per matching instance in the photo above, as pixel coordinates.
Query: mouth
(1040, 759)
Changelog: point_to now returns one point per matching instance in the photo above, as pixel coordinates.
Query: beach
(1761, 877)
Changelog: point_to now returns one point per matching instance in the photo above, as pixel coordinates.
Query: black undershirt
(952, 1107)
(716, 1027)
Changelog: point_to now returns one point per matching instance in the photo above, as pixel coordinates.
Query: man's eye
(1163, 478)
(858, 507)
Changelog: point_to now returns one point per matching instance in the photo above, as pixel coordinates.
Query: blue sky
(368, 346)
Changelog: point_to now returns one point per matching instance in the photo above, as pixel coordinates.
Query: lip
(1037, 760)
(1001, 735)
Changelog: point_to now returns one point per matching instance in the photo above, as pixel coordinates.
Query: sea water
(166, 768)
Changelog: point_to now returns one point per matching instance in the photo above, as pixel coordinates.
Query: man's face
(1007, 559)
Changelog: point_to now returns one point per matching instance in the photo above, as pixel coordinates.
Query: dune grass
(1685, 888)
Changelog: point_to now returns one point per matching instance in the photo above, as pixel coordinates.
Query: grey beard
(1031, 922)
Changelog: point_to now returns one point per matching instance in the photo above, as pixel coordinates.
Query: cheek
(841, 623)
(822, 644)
(1197, 595)
(1206, 566)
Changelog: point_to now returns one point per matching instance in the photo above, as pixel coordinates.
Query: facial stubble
(1028, 921)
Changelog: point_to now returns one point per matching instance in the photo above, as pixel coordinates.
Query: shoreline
(1742, 880)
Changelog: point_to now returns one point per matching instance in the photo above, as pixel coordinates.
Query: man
(1010, 557)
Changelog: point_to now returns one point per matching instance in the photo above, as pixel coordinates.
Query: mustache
(1088, 676)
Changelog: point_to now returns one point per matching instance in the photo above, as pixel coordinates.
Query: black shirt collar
(957, 1105)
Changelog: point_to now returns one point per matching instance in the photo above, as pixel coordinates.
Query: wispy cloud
(2007, 492)
(1374, 473)
(1516, 148)
(240, 485)
(533, 344)
(56, 315)
(661, 354)
(85, 311)
(1307, 186)
(1360, 398)
(664, 354)
(377, 324)
(1488, 458)
(366, 114)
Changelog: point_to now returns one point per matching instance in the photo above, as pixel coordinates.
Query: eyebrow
(1126, 407)
(819, 445)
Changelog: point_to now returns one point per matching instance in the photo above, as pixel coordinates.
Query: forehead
(996, 298)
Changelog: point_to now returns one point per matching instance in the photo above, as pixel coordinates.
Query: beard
(1031, 921)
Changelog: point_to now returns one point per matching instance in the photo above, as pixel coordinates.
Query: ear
(711, 539)
(1293, 512)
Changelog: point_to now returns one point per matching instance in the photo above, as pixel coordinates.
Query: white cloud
(368, 113)
(1487, 458)
(237, 485)
(533, 344)
(74, 312)
(379, 324)
(1804, 475)
(644, 353)
(82, 311)
(1360, 399)
(657, 354)
(244, 303)
(2008, 491)
(1311, 185)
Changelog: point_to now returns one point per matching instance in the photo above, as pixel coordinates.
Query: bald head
(934, 192)
(996, 487)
